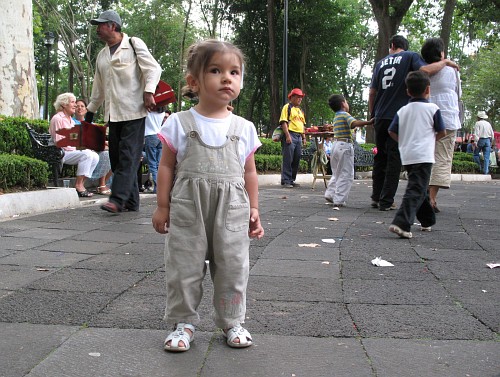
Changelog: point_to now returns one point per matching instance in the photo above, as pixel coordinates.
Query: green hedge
(21, 171)
(14, 138)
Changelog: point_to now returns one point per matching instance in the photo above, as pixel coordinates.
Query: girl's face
(69, 109)
(81, 109)
(220, 82)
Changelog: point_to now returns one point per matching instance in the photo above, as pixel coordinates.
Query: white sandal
(179, 334)
(238, 332)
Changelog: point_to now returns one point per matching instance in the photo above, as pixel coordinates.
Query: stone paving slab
(279, 288)
(52, 308)
(82, 247)
(452, 255)
(400, 271)
(473, 270)
(392, 292)
(289, 356)
(23, 346)
(89, 281)
(41, 258)
(122, 237)
(121, 352)
(18, 243)
(17, 277)
(316, 319)
(323, 252)
(418, 321)
(123, 262)
(443, 358)
(46, 233)
(294, 268)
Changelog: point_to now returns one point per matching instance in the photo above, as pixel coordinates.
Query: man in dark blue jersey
(387, 96)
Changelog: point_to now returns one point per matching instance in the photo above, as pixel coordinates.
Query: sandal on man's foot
(178, 335)
(111, 207)
(84, 194)
(238, 332)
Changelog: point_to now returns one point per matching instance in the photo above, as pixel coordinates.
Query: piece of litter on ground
(493, 265)
(325, 262)
(308, 245)
(328, 240)
(333, 219)
(336, 208)
(366, 235)
(42, 269)
(94, 354)
(378, 261)
(484, 291)
(319, 227)
(379, 222)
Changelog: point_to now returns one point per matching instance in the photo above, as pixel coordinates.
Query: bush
(22, 171)
(14, 138)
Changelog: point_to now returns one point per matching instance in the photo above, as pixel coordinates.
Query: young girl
(210, 210)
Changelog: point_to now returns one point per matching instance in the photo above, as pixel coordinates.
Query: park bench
(43, 149)
(362, 157)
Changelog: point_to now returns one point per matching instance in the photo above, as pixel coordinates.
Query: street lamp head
(49, 39)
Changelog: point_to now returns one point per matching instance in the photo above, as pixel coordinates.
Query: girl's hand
(255, 230)
(161, 219)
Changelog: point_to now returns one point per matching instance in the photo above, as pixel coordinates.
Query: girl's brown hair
(198, 58)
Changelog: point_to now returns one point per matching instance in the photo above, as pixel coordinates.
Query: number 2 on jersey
(388, 76)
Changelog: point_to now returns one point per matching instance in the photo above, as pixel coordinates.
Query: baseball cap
(107, 16)
(296, 92)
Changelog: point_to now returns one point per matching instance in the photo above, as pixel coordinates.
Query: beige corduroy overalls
(209, 220)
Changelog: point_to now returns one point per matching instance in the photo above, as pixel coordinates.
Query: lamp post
(285, 53)
(48, 42)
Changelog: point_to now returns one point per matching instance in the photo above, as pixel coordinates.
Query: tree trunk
(449, 8)
(181, 57)
(388, 14)
(18, 82)
(274, 107)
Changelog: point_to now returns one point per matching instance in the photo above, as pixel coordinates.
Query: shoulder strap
(187, 121)
(131, 44)
(289, 110)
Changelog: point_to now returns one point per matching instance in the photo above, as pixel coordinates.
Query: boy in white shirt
(416, 127)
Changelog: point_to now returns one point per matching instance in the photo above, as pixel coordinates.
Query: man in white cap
(125, 80)
(483, 134)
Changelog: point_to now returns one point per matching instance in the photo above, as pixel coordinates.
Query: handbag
(461, 107)
(277, 134)
(278, 131)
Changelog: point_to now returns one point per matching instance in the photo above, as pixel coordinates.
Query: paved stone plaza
(82, 292)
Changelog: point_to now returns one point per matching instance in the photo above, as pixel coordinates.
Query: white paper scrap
(94, 354)
(493, 265)
(381, 262)
(308, 245)
(333, 219)
(328, 240)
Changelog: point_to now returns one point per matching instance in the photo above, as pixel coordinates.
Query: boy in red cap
(292, 121)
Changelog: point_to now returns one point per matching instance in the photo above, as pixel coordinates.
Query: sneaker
(374, 204)
(426, 228)
(328, 199)
(400, 232)
(295, 184)
(337, 206)
(391, 208)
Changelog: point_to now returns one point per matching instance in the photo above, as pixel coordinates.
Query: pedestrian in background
(342, 154)
(126, 76)
(416, 127)
(483, 133)
(292, 121)
(152, 143)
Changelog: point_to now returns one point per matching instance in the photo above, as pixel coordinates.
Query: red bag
(164, 94)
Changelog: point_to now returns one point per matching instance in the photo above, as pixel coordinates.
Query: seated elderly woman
(86, 159)
(102, 171)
